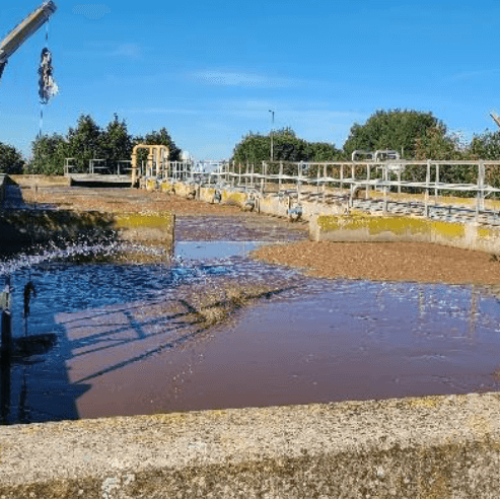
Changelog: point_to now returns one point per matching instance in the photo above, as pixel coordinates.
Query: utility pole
(272, 129)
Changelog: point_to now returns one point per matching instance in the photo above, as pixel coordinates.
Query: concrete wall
(270, 204)
(363, 227)
(22, 228)
(432, 447)
(39, 180)
(273, 205)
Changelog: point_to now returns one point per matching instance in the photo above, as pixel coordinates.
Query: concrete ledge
(21, 228)
(433, 447)
(40, 180)
(362, 227)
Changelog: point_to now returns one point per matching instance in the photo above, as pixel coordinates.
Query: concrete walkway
(433, 447)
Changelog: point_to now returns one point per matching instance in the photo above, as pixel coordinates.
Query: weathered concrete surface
(274, 205)
(145, 227)
(33, 181)
(369, 228)
(270, 204)
(22, 228)
(433, 447)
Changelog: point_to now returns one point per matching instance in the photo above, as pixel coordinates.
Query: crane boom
(496, 118)
(24, 30)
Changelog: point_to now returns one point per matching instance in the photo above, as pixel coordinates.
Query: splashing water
(81, 249)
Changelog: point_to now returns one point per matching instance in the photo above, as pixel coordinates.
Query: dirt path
(113, 200)
(386, 261)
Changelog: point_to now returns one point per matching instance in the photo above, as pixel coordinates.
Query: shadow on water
(95, 332)
(34, 382)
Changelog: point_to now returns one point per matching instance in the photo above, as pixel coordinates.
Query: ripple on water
(318, 340)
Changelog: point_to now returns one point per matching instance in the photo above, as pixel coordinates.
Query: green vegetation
(414, 134)
(396, 129)
(287, 147)
(11, 160)
(88, 141)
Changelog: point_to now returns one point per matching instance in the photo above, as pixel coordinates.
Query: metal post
(239, 175)
(262, 179)
(480, 189)
(299, 170)
(325, 172)
(427, 182)
(386, 192)
(368, 171)
(436, 189)
(341, 176)
(280, 176)
(149, 168)
(246, 176)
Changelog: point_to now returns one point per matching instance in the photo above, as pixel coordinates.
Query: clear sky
(210, 70)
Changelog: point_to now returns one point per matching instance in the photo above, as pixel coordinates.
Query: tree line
(414, 134)
(86, 141)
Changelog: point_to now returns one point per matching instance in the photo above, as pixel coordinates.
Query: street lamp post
(272, 152)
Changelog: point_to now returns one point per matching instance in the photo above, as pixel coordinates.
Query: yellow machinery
(23, 31)
(156, 154)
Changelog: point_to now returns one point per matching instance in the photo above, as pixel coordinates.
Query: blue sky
(209, 71)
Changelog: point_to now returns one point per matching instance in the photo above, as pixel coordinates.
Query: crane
(23, 31)
(496, 118)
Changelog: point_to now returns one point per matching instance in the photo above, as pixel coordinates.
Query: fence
(383, 183)
(97, 166)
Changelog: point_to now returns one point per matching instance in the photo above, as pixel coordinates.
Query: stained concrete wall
(363, 227)
(32, 181)
(270, 204)
(22, 228)
(432, 447)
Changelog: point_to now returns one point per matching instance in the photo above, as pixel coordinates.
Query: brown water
(344, 340)
(128, 343)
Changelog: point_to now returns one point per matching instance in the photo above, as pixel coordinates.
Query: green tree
(253, 148)
(323, 151)
(11, 160)
(287, 147)
(393, 129)
(84, 141)
(486, 146)
(48, 154)
(115, 141)
(162, 138)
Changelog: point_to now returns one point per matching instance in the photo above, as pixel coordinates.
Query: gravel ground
(386, 261)
(117, 200)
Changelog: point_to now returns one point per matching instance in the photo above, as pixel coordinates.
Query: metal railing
(468, 182)
(98, 166)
